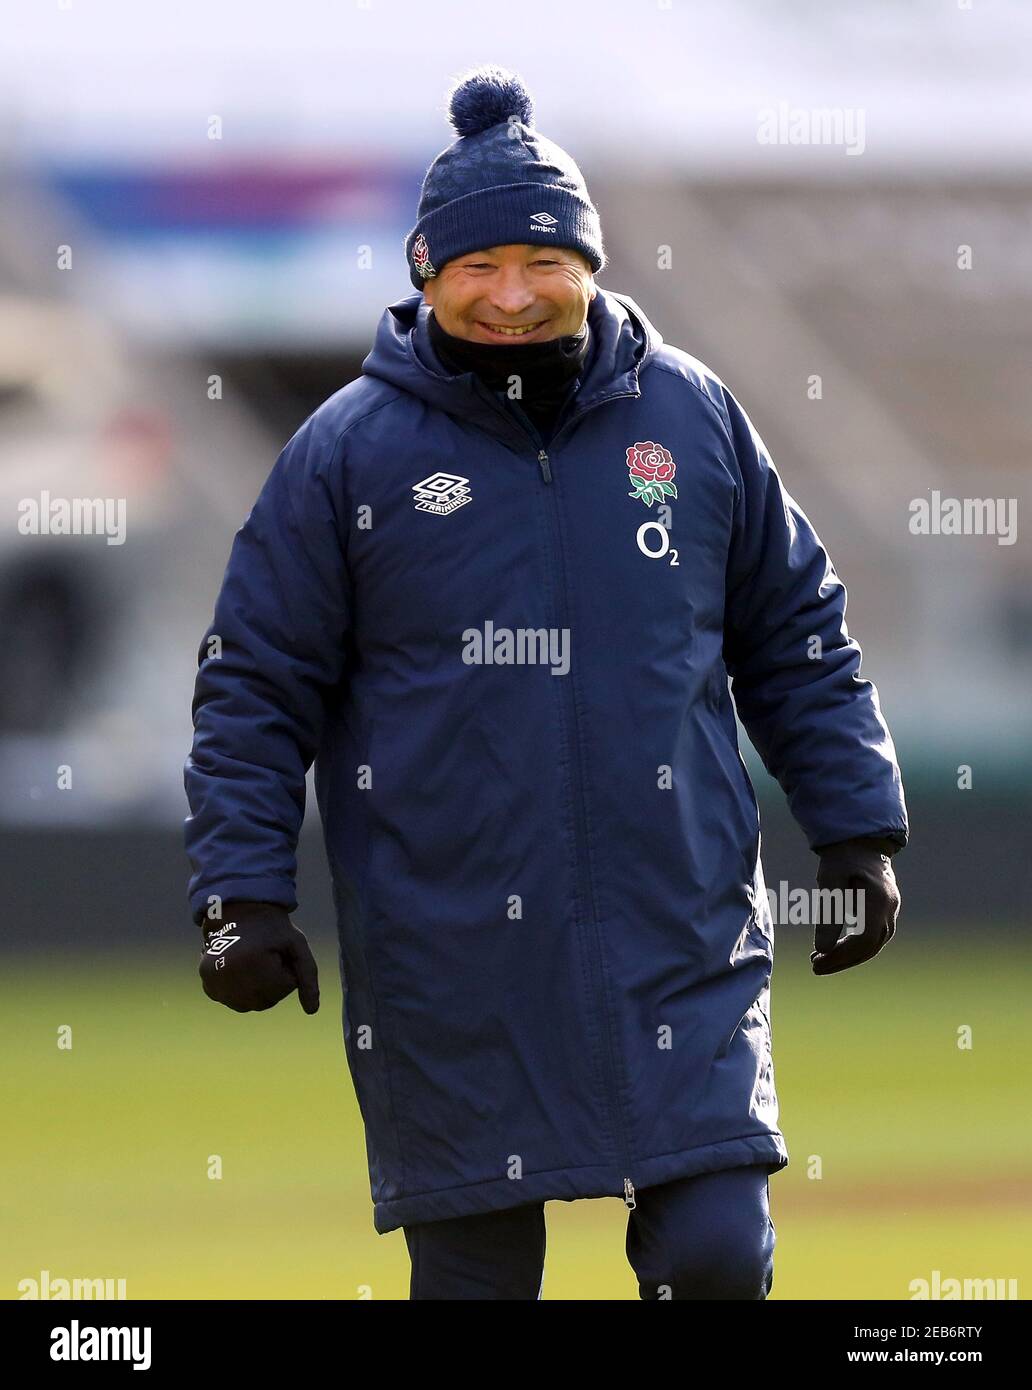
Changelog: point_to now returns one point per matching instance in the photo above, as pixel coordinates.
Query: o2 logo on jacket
(651, 469)
(441, 493)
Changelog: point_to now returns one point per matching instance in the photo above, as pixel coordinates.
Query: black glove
(857, 864)
(255, 956)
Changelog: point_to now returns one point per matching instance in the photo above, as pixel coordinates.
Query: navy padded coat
(510, 667)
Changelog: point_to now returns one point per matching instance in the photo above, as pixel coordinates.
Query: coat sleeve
(281, 619)
(795, 670)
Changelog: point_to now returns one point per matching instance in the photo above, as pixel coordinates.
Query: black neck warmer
(547, 370)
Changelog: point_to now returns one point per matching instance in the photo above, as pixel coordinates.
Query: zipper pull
(628, 1193)
(546, 470)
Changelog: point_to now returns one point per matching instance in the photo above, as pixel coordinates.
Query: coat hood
(624, 343)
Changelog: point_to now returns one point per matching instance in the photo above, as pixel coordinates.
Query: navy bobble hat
(500, 183)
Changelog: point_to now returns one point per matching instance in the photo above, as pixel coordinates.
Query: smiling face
(512, 294)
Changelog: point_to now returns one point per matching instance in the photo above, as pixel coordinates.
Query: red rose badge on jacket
(651, 470)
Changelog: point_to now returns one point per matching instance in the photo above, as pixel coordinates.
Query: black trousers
(704, 1237)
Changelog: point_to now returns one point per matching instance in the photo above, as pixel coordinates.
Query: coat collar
(624, 344)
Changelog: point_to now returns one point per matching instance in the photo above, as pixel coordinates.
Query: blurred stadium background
(235, 184)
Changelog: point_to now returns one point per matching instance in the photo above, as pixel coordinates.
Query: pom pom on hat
(487, 97)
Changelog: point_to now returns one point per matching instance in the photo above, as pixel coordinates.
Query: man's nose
(511, 293)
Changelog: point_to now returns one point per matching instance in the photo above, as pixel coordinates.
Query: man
(495, 589)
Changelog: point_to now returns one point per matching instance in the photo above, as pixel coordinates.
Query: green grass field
(924, 1146)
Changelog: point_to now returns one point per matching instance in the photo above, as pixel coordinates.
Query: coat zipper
(583, 872)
